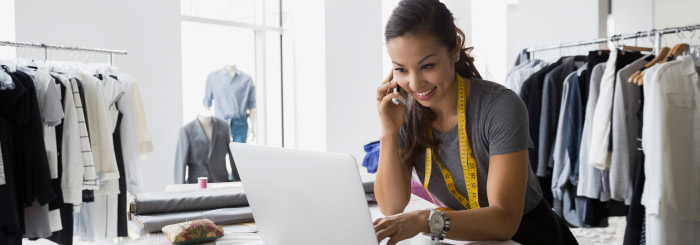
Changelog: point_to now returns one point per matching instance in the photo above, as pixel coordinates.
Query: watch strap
(438, 233)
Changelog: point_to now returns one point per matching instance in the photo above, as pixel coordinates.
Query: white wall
(337, 67)
(462, 12)
(7, 27)
(489, 37)
(353, 71)
(544, 22)
(673, 13)
(512, 49)
(309, 116)
(677, 13)
(632, 15)
(150, 31)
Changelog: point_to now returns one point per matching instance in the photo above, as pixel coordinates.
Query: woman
(472, 134)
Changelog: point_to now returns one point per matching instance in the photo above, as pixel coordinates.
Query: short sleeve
(506, 124)
(208, 93)
(251, 95)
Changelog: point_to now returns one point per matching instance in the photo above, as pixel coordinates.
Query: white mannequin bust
(231, 69)
(206, 125)
(205, 119)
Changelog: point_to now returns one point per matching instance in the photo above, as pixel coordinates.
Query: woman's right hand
(391, 115)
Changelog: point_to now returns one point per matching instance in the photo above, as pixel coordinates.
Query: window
(239, 11)
(245, 33)
(206, 48)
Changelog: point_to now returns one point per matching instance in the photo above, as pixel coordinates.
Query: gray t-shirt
(497, 123)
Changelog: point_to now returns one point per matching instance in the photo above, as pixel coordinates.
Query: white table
(247, 235)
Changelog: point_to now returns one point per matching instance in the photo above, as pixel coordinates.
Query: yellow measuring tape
(466, 156)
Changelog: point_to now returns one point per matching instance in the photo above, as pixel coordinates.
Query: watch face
(437, 221)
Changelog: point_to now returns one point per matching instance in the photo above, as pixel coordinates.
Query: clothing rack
(616, 38)
(60, 47)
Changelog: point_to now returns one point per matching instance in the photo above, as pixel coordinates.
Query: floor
(613, 234)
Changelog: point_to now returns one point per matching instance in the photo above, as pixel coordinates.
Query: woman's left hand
(401, 226)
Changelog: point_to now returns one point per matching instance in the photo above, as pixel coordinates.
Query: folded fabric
(368, 186)
(191, 232)
(150, 223)
(201, 199)
(372, 158)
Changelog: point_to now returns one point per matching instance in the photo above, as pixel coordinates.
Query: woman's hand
(390, 114)
(401, 226)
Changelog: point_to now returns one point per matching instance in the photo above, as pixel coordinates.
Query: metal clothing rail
(615, 38)
(52, 46)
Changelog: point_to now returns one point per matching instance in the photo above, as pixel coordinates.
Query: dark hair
(427, 17)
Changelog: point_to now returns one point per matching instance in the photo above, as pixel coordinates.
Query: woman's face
(422, 67)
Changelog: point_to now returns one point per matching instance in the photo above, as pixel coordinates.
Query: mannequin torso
(205, 119)
(231, 70)
(251, 113)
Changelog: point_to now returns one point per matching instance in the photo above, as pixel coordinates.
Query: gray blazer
(202, 158)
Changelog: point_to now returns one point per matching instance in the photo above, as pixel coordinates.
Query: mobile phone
(402, 96)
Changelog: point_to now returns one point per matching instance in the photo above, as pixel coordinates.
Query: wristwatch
(439, 225)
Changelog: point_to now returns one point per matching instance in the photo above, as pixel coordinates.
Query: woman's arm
(507, 182)
(392, 187)
(506, 186)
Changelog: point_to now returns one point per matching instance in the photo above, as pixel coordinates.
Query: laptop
(304, 197)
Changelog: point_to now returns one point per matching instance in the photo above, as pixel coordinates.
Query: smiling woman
(465, 138)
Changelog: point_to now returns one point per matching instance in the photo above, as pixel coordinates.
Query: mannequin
(232, 71)
(202, 150)
(205, 118)
(251, 122)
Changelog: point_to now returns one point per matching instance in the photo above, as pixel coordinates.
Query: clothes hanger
(678, 34)
(663, 53)
(635, 47)
(614, 43)
(695, 49)
(678, 49)
(46, 53)
(671, 55)
(561, 51)
(619, 45)
(638, 76)
(633, 77)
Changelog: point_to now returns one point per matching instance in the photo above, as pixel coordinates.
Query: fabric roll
(368, 186)
(149, 223)
(166, 202)
(369, 191)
